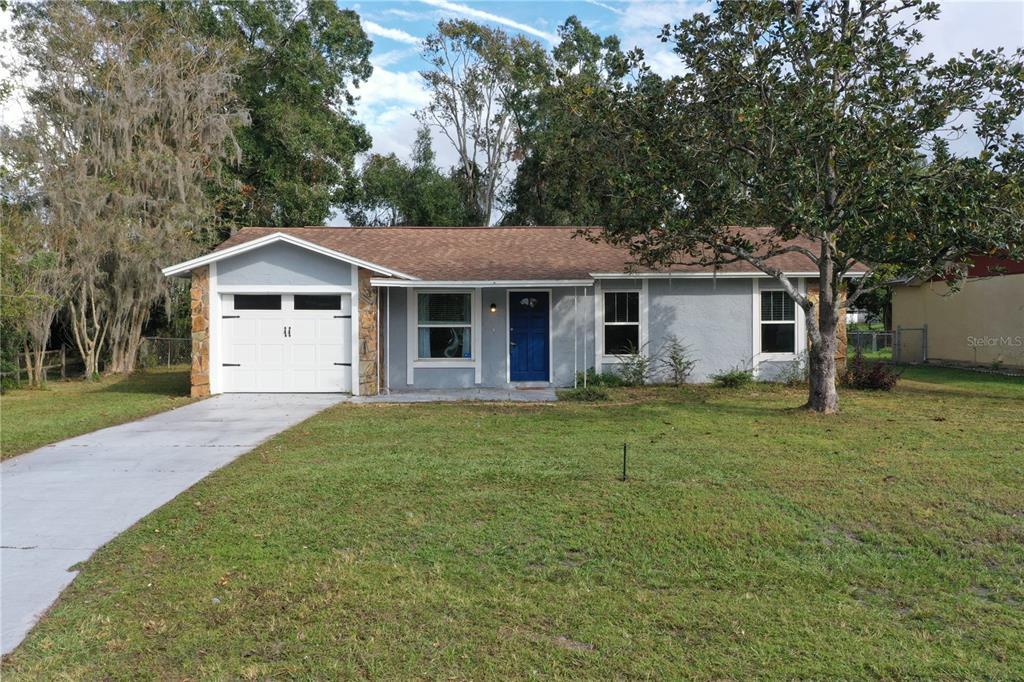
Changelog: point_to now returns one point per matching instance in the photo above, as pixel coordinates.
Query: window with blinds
(778, 322)
(444, 326)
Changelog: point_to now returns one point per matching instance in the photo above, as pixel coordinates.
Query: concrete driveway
(63, 501)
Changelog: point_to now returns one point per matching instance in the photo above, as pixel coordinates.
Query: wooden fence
(155, 351)
(58, 359)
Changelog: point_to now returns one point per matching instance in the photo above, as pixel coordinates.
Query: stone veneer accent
(200, 308)
(369, 360)
(812, 293)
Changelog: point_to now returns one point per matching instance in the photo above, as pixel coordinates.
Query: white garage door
(286, 343)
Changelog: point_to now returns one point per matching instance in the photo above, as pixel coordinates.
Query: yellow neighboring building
(981, 324)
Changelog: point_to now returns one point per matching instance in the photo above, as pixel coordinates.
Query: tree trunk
(88, 330)
(822, 395)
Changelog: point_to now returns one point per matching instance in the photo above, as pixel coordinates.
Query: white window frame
(800, 331)
(599, 323)
(413, 359)
(763, 321)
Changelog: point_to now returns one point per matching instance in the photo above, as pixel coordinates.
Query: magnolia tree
(825, 123)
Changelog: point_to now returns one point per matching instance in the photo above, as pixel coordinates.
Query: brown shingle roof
(489, 253)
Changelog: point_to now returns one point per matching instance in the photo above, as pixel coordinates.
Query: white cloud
(411, 16)
(397, 34)
(614, 10)
(465, 10)
(392, 57)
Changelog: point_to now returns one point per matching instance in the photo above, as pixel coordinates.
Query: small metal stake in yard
(625, 450)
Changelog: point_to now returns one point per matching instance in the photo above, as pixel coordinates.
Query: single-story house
(982, 323)
(369, 310)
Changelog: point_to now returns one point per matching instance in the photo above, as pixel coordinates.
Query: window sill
(442, 362)
(609, 359)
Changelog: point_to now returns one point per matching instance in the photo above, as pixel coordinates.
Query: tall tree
(131, 115)
(483, 85)
(389, 192)
(302, 60)
(34, 280)
(818, 120)
(551, 186)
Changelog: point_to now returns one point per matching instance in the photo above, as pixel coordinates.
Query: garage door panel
(303, 329)
(340, 377)
(286, 350)
(329, 353)
(243, 328)
(271, 355)
(332, 329)
(271, 329)
(304, 354)
(270, 381)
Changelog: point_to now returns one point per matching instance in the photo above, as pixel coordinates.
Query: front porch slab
(453, 395)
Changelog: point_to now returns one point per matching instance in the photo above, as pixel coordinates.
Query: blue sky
(394, 92)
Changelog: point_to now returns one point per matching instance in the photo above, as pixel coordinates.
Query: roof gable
(228, 250)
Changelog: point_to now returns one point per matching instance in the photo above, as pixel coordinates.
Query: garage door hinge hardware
(343, 317)
(230, 317)
(344, 364)
(231, 364)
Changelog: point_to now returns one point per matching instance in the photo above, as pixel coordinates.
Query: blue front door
(528, 336)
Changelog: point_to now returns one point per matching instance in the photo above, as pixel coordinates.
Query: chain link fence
(164, 351)
(870, 343)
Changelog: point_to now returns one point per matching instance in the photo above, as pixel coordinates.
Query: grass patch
(32, 418)
(484, 541)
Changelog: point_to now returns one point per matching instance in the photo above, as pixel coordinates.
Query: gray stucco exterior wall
(713, 318)
(276, 264)
(572, 319)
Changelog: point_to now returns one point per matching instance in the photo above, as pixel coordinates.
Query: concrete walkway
(454, 395)
(63, 501)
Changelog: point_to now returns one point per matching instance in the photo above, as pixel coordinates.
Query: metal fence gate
(910, 344)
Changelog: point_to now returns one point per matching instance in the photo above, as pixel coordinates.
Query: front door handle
(512, 344)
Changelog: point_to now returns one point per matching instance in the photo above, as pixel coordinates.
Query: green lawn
(480, 541)
(30, 418)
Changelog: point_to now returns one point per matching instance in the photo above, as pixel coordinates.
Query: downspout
(387, 342)
(585, 368)
(378, 341)
(575, 336)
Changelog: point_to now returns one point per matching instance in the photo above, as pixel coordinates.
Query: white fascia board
(215, 256)
(462, 284)
(707, 275)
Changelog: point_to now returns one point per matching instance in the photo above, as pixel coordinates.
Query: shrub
(737, 377)
(870, 376)
(635, 367)
(592, 378)
(676, 361)
(586, 394)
